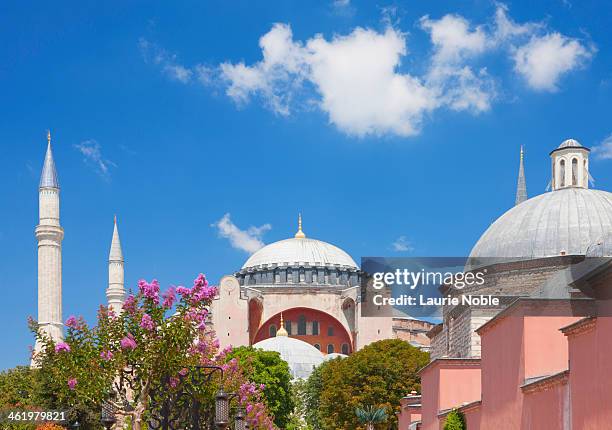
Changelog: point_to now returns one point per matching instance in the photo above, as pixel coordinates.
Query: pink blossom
(216, 343)
(150, 291)
(169, 297)
(147, 323)
(72, 382)
(130, 304)
(174, 382)
(106, 355)
(128, 342)
(183, 291)
(183, 371)
(72, 322)
(62, 347)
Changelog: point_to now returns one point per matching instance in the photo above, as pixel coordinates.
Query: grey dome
(301, 357)
(570, 143)
(561, 222)
(601, 247)
(295, 251)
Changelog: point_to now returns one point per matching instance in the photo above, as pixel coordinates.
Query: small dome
(562, 222)
(300, 250)
(570, 143)
(301, 357)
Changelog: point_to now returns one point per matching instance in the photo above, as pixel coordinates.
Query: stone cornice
(584, 325)
(545, 382)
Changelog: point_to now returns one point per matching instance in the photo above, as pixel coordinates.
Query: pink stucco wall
(546, 409)
(591, 376)
(447, 383)
(410, 411)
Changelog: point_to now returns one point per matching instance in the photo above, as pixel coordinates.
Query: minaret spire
(115, 293)
(48, 177)
(521, 186)
(300, 234)
(49, 234)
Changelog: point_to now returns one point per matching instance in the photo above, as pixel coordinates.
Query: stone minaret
(521, 186)
(49, 234)
(115, 293)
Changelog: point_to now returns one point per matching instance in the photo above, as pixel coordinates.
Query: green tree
(312, 397)
(379, 374)
(371, 416)
(269, 370)
(455, 420)
(150, 346)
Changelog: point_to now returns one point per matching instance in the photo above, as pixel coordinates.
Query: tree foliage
(272, 373)
(154, 343)
(379, 374)
(455, 420)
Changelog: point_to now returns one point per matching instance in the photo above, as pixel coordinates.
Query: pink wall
(472, 418)
(591, 376)
(410, 411)
(546, 409)
(447, 383)
(545, 345)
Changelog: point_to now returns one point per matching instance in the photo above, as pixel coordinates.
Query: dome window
(301, 327)
(575, 171)
(316, 345)
(345, 349)
(330, 348)
(273, 330)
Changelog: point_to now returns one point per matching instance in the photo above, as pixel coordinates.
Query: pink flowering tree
(150, 347)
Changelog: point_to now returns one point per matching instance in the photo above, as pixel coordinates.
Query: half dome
(300, 250)
(563, 222)
(301, 357)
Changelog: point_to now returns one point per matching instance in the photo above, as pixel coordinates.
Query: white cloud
(248, 240)
(603, 151)
(166, 61)
(92, 155)
(545, 59)
(402, 244)
(359, 82)
(453, 39)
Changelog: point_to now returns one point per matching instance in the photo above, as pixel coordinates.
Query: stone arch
(324, 320)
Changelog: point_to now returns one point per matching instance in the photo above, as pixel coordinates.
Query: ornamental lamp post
(240, 422)
(108, 415)
(222, 409)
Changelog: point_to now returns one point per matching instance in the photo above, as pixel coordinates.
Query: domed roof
(569, 143)
(301, 357)
(300, 250)
(562, 222)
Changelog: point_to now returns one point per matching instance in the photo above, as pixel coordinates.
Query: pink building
(541, 359)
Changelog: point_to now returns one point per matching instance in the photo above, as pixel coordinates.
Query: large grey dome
(562, 222)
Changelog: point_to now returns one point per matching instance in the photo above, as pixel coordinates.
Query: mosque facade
(312, 284)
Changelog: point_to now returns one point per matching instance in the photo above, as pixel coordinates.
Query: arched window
(288, 327)
(330, 330)
(562, 173)
(327, 276)
(315, 328)
(301, 325)
(575, 171)
(289, 275)
(302, 276)
(276, 277)
(316, 345)
(330, 348)
(273, 330)
(314, 276)
(345, 348)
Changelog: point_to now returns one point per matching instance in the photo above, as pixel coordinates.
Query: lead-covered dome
(300, 250)
(301, 357)
(562, 222)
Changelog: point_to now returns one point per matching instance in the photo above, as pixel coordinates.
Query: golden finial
(49, 137)
(300, 234)
(282, 331)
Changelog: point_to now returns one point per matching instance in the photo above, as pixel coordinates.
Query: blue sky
(382, 122)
